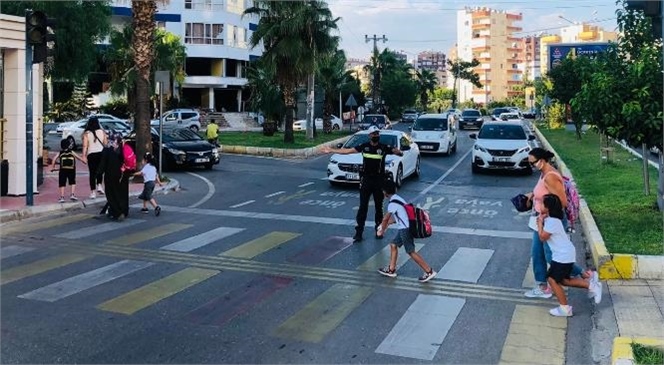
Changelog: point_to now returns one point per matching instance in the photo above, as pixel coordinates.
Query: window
(209, 5)
(199, 33)
(514, 66)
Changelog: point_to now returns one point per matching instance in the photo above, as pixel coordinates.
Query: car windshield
(358, 139)
(494, 131)
(430, 124)
(470, 113)
(374, 119)
(499, 111)
(509, 116)
(181, 135)
(409, 111)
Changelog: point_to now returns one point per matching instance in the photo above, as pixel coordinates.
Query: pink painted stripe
(321, 251)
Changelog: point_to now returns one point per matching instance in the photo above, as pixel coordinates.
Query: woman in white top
(94, 140)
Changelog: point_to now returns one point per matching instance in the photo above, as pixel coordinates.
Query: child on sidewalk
(396, 213)
(551, 231)
(66, 158)
(149, 172)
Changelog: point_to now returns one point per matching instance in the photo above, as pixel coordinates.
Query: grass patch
(628, 220)
(257, 139)
(646, 355)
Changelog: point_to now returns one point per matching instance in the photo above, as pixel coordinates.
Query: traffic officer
(372, 176)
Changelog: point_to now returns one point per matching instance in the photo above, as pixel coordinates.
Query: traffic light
(651, 9)
(37, 34)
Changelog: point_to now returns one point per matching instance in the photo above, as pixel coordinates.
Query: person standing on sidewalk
(372, 176)
(563, 256)
(94, 141)
(66, 158)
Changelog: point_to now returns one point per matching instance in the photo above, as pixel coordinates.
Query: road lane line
(147, 295)
(305, 184)
(38, 267)
(242, 204)
(11, 251)
(424, 192)
(382, 259)
(210, 193)
(467, 264)
(78, 233)
(421, 330)
(148, 234)
(85, 281)
(275, 194)
(203, 239)
(534, 337)
(322, 315)
(260, 245)
(28, 226)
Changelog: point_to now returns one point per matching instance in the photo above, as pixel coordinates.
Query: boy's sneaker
(61, 200)
(73, 198)
(427, 276)
(145, 210)
(562, 311)
(157, 211)
(385, 271)
(596, 290)
(537, 292)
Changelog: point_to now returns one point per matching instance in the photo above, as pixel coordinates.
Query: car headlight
(333, 161)
(480, 148)
(175, 151)
(215, 152)
(479, 119)
(390, 164)
(525, 149)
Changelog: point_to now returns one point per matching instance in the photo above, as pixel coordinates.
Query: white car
(180, 118)
(74, 133)
(346, 168)
(501, 145)
(61, 127)
(435, 133)
(301, 125)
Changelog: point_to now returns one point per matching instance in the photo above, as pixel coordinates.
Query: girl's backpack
(573, 202)
(129, 158)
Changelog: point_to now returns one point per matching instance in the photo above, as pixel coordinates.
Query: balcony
(213, 81)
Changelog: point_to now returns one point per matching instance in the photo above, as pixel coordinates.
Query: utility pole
(376, 73)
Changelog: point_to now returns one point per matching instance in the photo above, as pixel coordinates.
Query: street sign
(165, 78)
(351, 101)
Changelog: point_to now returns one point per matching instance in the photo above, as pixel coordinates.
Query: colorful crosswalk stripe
(321, 251)
(76, 284)
(11, 251)
(156, 291)
(38, 267)
(382, 259)
(148, 234)
(534, 337)
(420, 332)
(79, 232)
(260, 245)
(322, 315)
(29, 226)
(467, 264)
(203, 239)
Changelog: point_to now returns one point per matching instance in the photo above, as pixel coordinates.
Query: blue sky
(417, 25)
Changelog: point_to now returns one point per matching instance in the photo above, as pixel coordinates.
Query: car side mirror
(339, 145)
(531, 137)
(473, 136)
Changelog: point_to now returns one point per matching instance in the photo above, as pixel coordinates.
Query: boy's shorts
(405, 239)
(66, 175)
(148, 189)
(559, 271)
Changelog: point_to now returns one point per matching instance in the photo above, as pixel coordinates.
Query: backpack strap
(395, 213)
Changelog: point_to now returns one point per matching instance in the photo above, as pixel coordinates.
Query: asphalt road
(253, 262)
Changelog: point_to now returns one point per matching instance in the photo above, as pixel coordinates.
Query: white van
(436, 133)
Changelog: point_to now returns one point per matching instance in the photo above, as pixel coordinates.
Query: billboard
(558, 52)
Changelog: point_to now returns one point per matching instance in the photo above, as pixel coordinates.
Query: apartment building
(400, 55)
(531, 57)
(453, 54)
(576, 33)
(434, 62)
(488, 35)
(217, 40)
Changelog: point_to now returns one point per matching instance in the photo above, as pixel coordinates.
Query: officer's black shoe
(357, 237)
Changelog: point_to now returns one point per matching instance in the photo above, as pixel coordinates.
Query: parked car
(180, 118)
(435, 133)
(495, 113)
(346, 168)
(107, 116)
(301, 125)
(74, 132)
(501, 145)
(471, 118)
(61, 126)
(379, 120)
(182, 147)
(409, 115)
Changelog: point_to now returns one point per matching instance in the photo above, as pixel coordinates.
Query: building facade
(488, 36)
(217, 40)
(434, 62)
(531, 58)
(13, 107)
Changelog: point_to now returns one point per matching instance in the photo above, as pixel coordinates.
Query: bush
(117, 107)
(555, 116)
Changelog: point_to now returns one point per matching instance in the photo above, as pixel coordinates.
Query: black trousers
(117, 195)
(370, 185)
(94, 159)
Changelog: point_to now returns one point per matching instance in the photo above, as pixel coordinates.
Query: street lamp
(563, 18)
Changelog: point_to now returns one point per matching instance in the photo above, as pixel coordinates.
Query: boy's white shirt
(398, 212)
(562, 248)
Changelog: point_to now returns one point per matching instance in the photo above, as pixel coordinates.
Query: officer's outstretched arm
(397, 151)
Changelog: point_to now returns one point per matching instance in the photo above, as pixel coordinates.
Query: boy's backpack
(572, 209)
(67, 160)
(418, 219)
(129, 158)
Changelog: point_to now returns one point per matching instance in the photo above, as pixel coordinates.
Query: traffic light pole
(29, 137)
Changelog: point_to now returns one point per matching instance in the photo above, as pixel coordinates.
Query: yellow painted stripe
(621, 266)
(262, 244)
(534, 337)
(322, 315)
(382, 258)
(35, 226)
(149, 294)
(38, 267)
(148, 234)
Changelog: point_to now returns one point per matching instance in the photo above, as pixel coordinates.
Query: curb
(279, 152)
(622, 348)
(608, 265)
(39, 210)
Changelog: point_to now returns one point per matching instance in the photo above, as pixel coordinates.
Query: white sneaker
(594, 279)
(93, 195)
(562, 311)
(100, 191)
(596, 289)
(536, 292)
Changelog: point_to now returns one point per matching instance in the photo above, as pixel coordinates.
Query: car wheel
(72, 142)
(399, 178)
(208, 166)
(194, 128)
(454, 148)
(417, 171)
(335, 127)
(474, 168)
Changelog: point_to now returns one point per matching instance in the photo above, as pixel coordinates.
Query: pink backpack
(129, 158)
(573, 202)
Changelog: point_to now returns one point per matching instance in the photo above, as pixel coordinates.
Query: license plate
(202, 160)
(426, 147)
(352, 176)
(501, 159)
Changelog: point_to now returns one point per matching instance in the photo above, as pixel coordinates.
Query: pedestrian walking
(116, 181)
(66, 158)
(372, 176)
(150, 178)
(551, 230)
(94, 141)
(212, 133)
(396, 214)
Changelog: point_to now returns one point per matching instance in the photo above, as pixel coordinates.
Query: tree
(82, 99)
(398, 90)
(381, 64)
(80, 26)
(264, 95)
(463, 70)
(332, 76)
(426, 83)
(292, 33)
(567, 79)
(441, 98)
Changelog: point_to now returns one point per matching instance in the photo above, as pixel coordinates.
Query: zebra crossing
(418, 334)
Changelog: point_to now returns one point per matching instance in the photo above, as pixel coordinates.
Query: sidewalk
(46, 201)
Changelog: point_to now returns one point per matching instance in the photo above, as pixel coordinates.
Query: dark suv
(471, 118)
(495, 114)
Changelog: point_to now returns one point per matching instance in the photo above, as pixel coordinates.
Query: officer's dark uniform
(372, 178)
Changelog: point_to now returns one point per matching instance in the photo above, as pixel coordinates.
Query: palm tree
(381, 64)
(426, 83)
(332, 76)
(463, 70)
(265, 96)
(293, 33)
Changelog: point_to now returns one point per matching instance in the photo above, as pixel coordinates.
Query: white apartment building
(218, 51)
